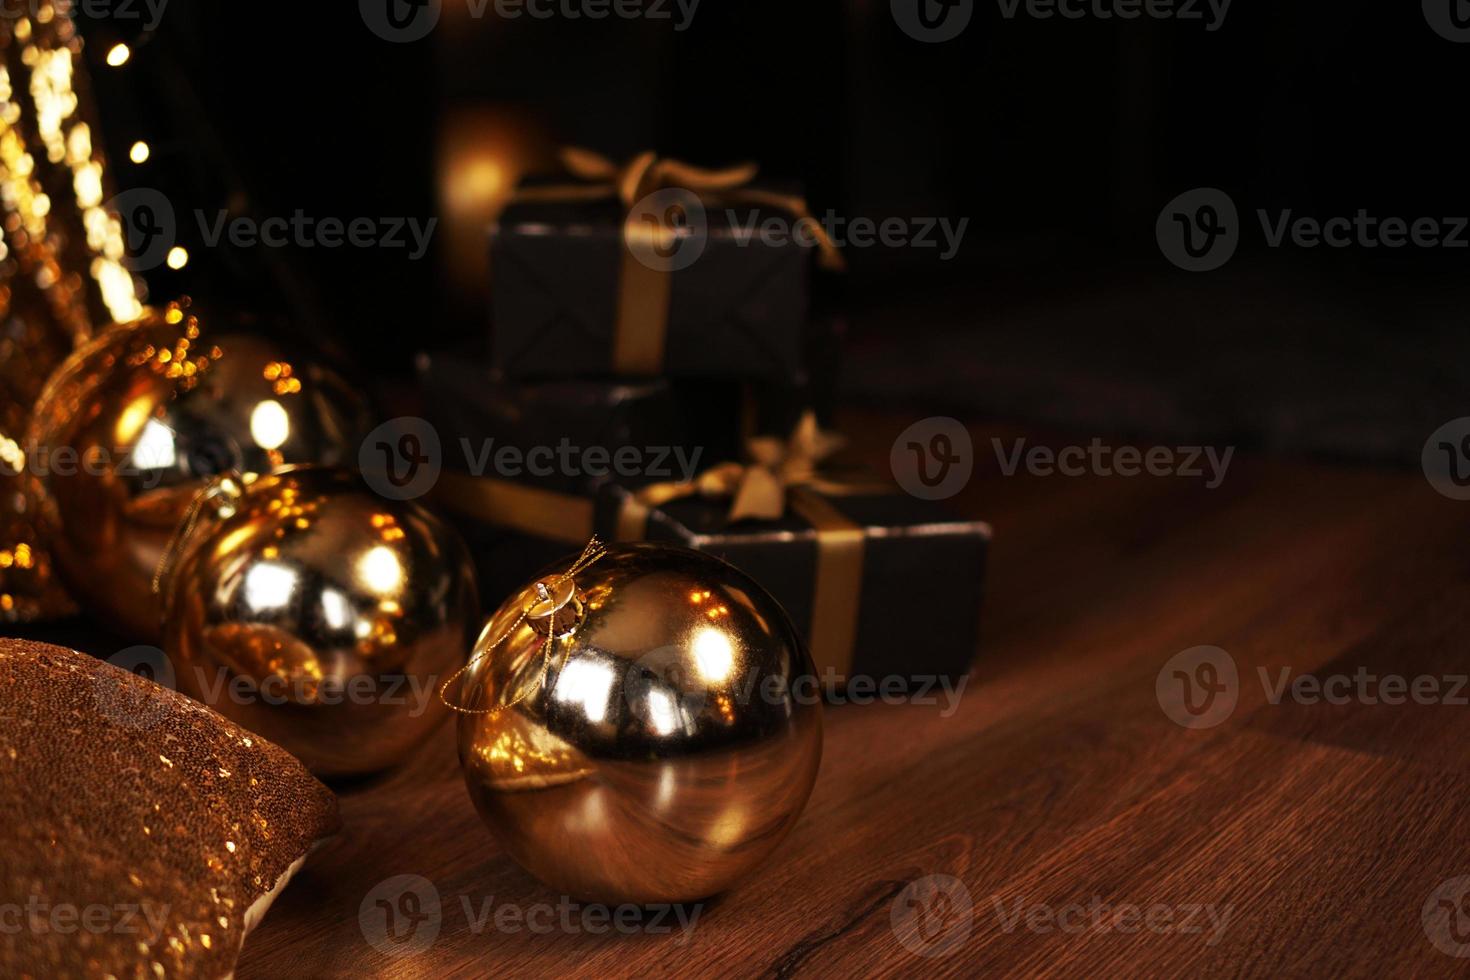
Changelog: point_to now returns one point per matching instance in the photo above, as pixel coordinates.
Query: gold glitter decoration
(61, 264)
(140, 826)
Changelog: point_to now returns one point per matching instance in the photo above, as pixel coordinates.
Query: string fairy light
(62, 263)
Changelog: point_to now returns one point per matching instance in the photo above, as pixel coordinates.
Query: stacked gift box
(655, 372)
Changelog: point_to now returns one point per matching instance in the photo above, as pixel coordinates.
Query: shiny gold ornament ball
(309, 609)
(134, 423)
(630, 730)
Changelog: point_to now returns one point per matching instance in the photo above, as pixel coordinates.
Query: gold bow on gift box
(645, 288)
(778, 471)
(781, 475)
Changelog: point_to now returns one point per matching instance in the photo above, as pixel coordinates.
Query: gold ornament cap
(554, 606)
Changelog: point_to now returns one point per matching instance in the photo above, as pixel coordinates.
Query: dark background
(1061, 140)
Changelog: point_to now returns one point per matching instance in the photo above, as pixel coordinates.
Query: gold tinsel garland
(62, 268)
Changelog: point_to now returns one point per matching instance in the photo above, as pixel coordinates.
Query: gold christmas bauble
(632, 729)
(134, 423)
(309, 609)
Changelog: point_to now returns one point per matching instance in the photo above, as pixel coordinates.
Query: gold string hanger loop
(544, 592)
(223, 492)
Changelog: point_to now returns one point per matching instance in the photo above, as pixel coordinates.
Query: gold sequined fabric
(139, 826)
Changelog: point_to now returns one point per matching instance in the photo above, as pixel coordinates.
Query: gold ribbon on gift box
(645, 288)
(781, 475)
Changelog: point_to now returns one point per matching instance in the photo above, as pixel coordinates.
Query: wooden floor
(1292, 839)
(1060, 793)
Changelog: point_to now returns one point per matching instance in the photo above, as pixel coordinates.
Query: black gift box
(915, 611)
(512, 518)
(739, 310)
(593, 429)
